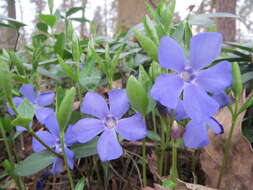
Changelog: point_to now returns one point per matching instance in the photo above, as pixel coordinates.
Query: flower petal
(132, 128)
(45, 99)
(52, 124)
(28, 92)
(215, 126)
(167, 89)
(70, 137)
(70, 157)
(16, 101)
(204, 48)
(108, 147)
(198, 104)
(222, 99)
(195, 135)
(42, 114)
(179, 112)
(88, 128)
(46, 137)
(118, 102)
(57, 165)
(171, 55)
(20, 129)
(95, 105)
(215, 79)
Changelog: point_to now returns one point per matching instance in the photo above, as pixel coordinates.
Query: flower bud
(175, 132)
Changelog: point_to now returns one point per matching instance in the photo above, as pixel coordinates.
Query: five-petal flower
(108, 122)
(189, 78)
(52, 139)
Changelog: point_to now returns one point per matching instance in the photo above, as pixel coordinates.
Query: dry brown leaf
(239, 173)
(180, 186)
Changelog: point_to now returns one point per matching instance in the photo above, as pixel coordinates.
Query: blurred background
(111, 16)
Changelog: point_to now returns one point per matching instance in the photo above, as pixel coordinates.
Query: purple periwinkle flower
(108, 122)
(52, 139)
(39, 100)
(196, 131)
(190, 78)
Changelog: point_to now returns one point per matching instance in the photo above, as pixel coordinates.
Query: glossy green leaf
(42, 26)
(73, 10)
(50, 5)
(90, 78)
(246, 105)
(60, 44)
(150, 29)
(5, 79)
(48, 19)
(85, 150)
(76, 49)
(144, 78)
(237, 79)
(148, 45)
(65, 110)
(23, 122)
(153, 136)
(26, 110)
(137, 95)
(67, 68)
(15, 60)
(34, 163)
(80, 184)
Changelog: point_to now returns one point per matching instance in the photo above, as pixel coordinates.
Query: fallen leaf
(239, 172)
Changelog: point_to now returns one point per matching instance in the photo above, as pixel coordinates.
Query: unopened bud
(175, 133)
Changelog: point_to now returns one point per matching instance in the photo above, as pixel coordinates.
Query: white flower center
(110, 122)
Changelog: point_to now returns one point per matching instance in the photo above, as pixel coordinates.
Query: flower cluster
(188, 86)
(191, 90)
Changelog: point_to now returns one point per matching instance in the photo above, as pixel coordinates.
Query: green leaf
(34, 163)
(155, 70)
(85, 150)
(26, 110)
(23, 122)
(153, 136)
(89, 78)
(14, 23)
(246, 105)
(67, 68)
(148, 45)
(48, 19)
(76, 49)
(73, 10)
(65, 110)
(137, 95)
(169, 183)
(15, 60)
(42, 26)
(237, 79)
(5, 79)
(150, 29)
(144, 78)
(80, 184)
(60, 44)
(51, 5)
(82, 20)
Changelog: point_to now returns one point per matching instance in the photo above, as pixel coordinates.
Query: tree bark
(11, 33)
(226, 26)
(130, 13)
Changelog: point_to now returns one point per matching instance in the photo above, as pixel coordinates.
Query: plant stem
(228, 144)
(144, 169)
(174, 162)
(66, 162)
(163, 146)
(17, 179)
(30, 130)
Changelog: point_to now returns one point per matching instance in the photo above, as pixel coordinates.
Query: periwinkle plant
(191, 91)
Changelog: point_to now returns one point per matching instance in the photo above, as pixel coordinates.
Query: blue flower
(38, 99)
(190, 79)
(196, 131)
(108, 122)
(52, 139)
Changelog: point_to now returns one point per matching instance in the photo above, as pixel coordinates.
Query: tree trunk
(11, 33)
(130, 13)
(226, 26)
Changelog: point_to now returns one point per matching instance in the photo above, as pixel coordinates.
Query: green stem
(66, 162)
(30, 130)
(144, 169)
(154, 121)
(174, 162)
(228, 144)
(163, 146)
(17, 179)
